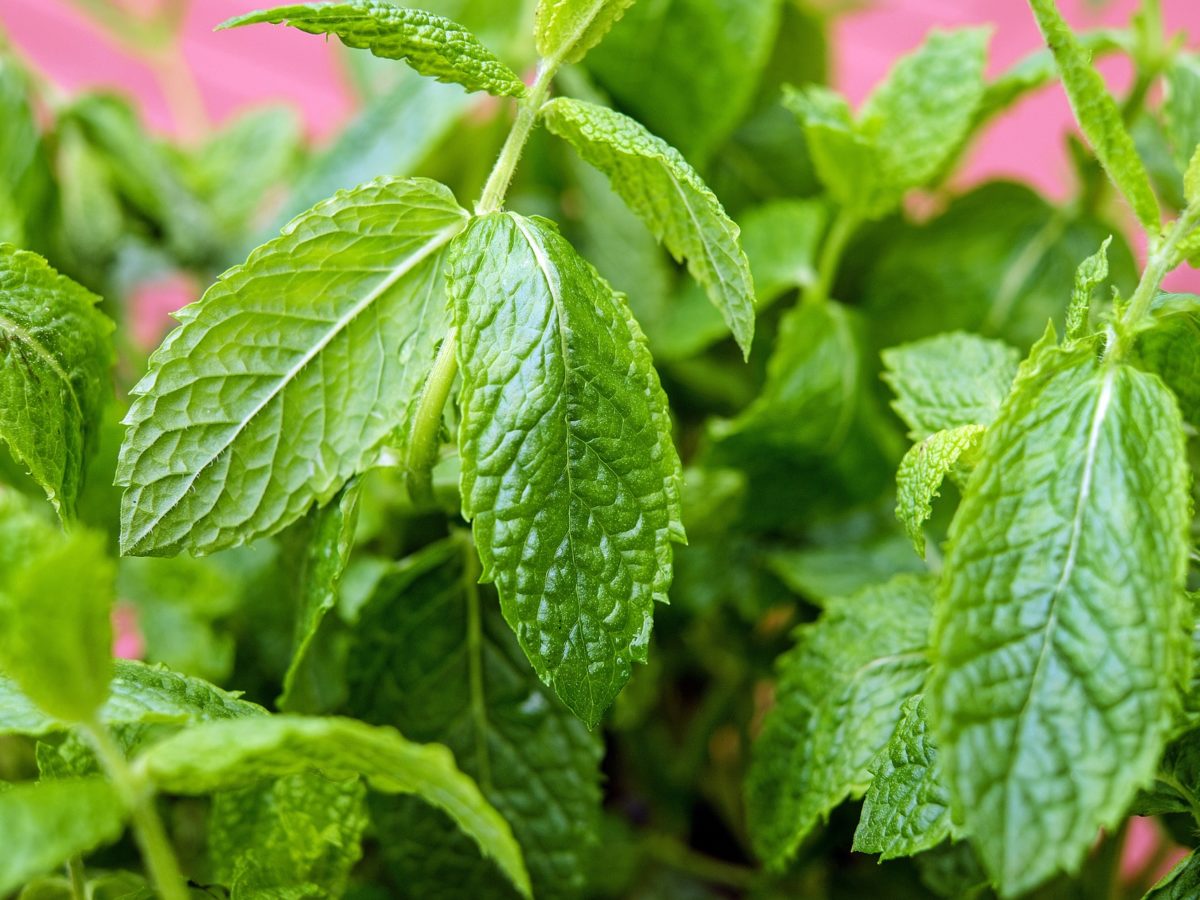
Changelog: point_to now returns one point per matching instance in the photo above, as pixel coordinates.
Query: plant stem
(475, 663)
(78, 878)
(840, 232)
(670, 852)
(528, 108)
(424, 440)
(147, 826)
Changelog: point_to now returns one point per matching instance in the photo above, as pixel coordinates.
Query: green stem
(670, 852)
(528, 108)
(78, 878)
(475, 664)
(840, 232)
(147, 826)
(424, 440)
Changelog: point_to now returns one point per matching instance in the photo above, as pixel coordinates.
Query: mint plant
(398, 499)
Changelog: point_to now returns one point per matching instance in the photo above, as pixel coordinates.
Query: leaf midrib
(439, 240)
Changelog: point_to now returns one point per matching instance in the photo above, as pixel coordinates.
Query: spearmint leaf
(1171, 350)
(922, 471)
(837, 701)
(668, 195)
(299, 833)
(25, 176)
(1055, 632)
(1097, 114)
(55, 354)
(216, 756)
(1176, 786)
(567, 29)
(1092, 273)
(1191, 180)
(568, 470)
(920, 115)
(907, 808)
(282, 381)
(93, 223)
(948, 381)
(528, 753)
(46, 823)
(60, 655)
(431, 44)
(823, 574)
(813, 378)
(688, 69)
(330, 537)
(1181, 107)
(1181, 883)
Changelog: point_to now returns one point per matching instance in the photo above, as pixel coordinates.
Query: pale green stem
(528, 108)
(840, 232)
(148, 828)
(78, 878)
(424, 439)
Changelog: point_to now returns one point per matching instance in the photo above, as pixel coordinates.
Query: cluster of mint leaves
(995, 707)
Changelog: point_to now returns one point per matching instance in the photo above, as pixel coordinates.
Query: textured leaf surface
(234, 754)
(431, 44)
(673, 201)
(568, 472)
(921, 114)
(1171, 349)
(1060, 629)
(922, 471)
(54, 360)
(837, 702)
(61, 656)
(47, 823)
(568, 29)
(1181, 883)
(533, 760)
(328, 540)
(1098, 115)
(1092, 273)
(298, 835)
(948, 381)
(139, 694)
(907, 808)
(283, 379)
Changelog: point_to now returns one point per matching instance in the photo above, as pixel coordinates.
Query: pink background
(237, 69)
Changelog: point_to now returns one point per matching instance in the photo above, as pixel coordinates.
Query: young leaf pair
(347, 332)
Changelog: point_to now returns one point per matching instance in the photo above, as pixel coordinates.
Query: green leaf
(949, 381)
(567, 29)
(1055, 631)
(924, 110)
(301, 833)
(282, 381)
(93, 222)
(907, 808)
(1171, 350)
(673, 201)
(217, 756)
(922, 471)
(140, 694)
(837, 701)
(431, 44)
(843, 568)
(329, 539)
(568, 470)
(45, 824)
(1181, 883)
(1191, 179)
(1181, 107)
(1098, 115)
(60, 655)
(1092, 273)
(813, 379)
(54, 360)
(688, 69)
(533, 760)
(24, 170)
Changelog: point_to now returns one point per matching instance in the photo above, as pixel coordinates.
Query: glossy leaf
(1181, 883)
(922, 471)
(673, 201)
(837, 701)
(568, 470)
(217, 756)
(282, 381)
(1060, 627)
(1098, 115)
(949, 381)
(907, 808)
(431, 44)
(47, 823)
(55, 354)
(567, 29)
